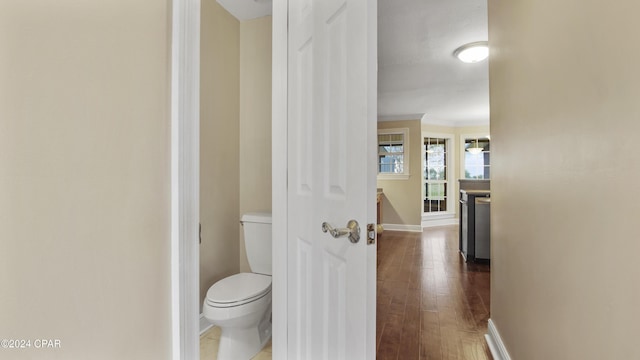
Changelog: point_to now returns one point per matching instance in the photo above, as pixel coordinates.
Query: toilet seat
(238, 290)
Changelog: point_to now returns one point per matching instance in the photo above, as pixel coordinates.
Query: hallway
(431, 305)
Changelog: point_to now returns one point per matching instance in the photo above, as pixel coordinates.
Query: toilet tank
(257, 241)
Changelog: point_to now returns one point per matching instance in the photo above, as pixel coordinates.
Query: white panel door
(331, 178)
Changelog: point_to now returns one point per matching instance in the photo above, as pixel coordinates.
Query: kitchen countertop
(477, 192)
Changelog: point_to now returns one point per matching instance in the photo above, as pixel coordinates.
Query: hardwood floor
(431, 305)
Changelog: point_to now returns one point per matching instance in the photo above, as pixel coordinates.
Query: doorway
(235, 142)
(422, 83)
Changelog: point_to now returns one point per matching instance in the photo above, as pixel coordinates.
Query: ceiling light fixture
(476, 149)
(472, 52)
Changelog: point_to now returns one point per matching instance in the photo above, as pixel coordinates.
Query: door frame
(279, 151)
(185, 178)
(185, 152)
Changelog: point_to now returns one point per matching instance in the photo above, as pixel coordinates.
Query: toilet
(241, 304)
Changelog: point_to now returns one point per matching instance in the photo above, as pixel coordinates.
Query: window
(436, 179)
(477, 166)
(393, 154)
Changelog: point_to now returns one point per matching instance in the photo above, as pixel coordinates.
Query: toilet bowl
(241, 304)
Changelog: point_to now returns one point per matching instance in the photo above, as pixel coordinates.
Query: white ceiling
(417, 72)
(418, 76)
(247, 9)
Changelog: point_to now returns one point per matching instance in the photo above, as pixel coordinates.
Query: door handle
(352, 230)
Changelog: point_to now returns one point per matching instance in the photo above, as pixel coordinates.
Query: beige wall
(235, 136)
(564, 125)
(85, 178)
(219, 137)
(255, 120)
(402, 204)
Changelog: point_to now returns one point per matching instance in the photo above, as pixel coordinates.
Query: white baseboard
(439, 219)
(498, 350)
(439, 222)
(402, 227)
(204, 324)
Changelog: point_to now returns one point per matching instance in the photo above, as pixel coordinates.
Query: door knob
(352, 230)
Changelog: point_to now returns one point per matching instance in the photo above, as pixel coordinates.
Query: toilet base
(244, 343)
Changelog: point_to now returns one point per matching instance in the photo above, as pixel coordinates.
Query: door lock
(371, 234)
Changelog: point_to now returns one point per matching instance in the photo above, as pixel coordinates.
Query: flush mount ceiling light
(476, 149)
(472, 52)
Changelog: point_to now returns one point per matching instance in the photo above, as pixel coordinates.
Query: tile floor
(209, 346)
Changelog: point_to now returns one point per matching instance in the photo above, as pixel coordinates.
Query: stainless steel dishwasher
(468, 224)
(483, 228)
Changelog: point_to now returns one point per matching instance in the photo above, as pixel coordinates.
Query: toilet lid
(239, 288)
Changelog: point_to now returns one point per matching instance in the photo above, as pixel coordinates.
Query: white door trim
(279, 177)
(185, 184)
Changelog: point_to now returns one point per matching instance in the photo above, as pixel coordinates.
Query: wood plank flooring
(431, 305)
